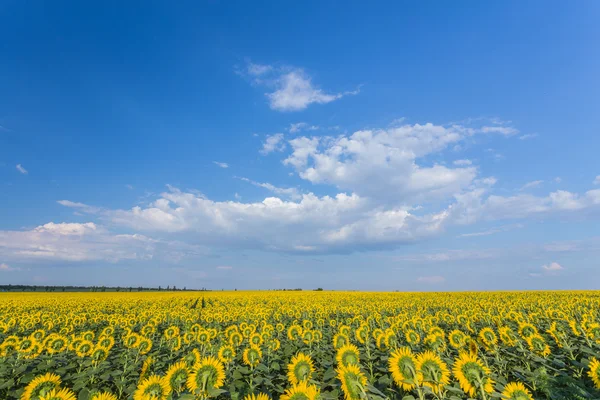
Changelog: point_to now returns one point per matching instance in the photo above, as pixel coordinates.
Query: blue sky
(388, 146)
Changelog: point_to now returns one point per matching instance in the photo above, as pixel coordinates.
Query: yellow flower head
(300, 369)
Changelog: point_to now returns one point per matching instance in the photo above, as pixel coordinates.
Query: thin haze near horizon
(388, 146)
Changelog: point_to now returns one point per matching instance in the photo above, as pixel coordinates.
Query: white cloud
(597, 180)
(302, 126)
(450, 255)
(79, 206)
(292, 193)
(128, 186)
(552, 267)
(84, 242)
(221, 164)
(224, 267)
(462, 162)
(558, 179)
(273, 143)
(7, 268)
(21, 169)
(383, 163)
(258, 69)
(531, 185)
(431, 280)
(291, 88)
(492, 231)
(504, 130)
(528, 136)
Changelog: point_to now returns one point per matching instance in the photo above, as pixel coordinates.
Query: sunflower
(402, 365)
(99, 354)
(432, 371)
(252, 356)
(294, 332)
(273, 345)
(177, 375)
(507, 336)
(255, 339)
(538, 345)
(203, 336)
(260, 396)
(488, 338)
(62, 394)
(301, 391)
(226, 354)
(106, 341)
(516, 391)
(206, 376)
(362, 334)
(103, 396)
(85, 348)
(340, 340)
(300, 369)
(236, 339)
(171, 332)
(457, 339)
(144, 346)
(472, 374)
(353, 381)
(152, 388)
(594, 372)
(347, 355)
(40, 385)
(308, 337)
(145, 367)
(526, 329)
(412, 337)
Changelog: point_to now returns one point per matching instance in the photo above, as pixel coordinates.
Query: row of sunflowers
(299, 345)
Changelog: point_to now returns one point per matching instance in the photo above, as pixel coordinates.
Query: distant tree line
(41, 288)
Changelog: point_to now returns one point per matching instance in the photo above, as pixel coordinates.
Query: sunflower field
(299, 345)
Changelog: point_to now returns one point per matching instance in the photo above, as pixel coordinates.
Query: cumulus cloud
(292, 89)
(82, 242)
(384, 163)
(273, 143)
(21, 169)
(597, 180)
(221, 164)
(553, 268)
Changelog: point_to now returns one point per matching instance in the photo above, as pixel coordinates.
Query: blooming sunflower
(301, 391)
(516, 391)
(488, 338)
(103, 396)
(177, 375)
(347, 355)
(594, 372)
(472, 374)
(412, 337)
(40, 385)
(432, 371)
(144, 345)
(457, 339)
(145, 368)
(538, 345)
(273, 345)
(235, 339)
(226, 354)
(252, 356)
(340, 340)
(402, 365)
(353, 381)
(206, 376)
(300, 369)
(62, 394)
(154, 387)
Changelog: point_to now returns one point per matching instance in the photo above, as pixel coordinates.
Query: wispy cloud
(292, 89)
(292, 193)
(528, 136)
(221, 164)
(531, 185)
(597, 180)
(21, 169)
(499, 229)
(302, 126)
(462, 162)
(224, 267)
